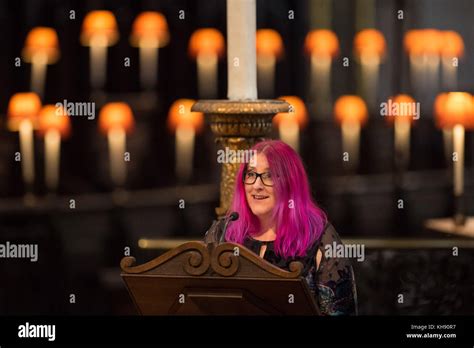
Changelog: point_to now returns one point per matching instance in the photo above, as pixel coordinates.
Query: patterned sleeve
(335, 281)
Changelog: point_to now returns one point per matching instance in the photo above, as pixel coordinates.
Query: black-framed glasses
(251, 177)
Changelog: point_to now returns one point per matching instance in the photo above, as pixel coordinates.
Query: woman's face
(260, 196)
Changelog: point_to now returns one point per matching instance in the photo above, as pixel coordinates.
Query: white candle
(368, 79)
(350, 143)
(402, 143)
(207, 75)
(417, 75)
(448, 146)
(458, 137)
(449, 73)
(241, 51)
(184, 152)
(433, 63)
(148, 66)
(266, 75)
(290, 133)
(98, 61)
(117, 139)
(27, 151)
(52, 143)
(321, 82)
(424, 77)
(38, 73)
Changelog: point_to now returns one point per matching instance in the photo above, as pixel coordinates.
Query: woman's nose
(258, 184)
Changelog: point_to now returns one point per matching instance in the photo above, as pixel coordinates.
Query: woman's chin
(260, 213)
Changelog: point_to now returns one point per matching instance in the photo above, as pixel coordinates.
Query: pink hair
(299, 221)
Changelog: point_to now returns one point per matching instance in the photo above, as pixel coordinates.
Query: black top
(332, 284)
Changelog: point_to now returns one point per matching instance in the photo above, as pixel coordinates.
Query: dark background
(80, 249)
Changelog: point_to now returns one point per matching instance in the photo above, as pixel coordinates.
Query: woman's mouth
(259, 197)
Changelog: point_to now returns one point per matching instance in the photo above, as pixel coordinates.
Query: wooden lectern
(216, 279)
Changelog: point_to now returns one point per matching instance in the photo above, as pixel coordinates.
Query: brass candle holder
(237, 125)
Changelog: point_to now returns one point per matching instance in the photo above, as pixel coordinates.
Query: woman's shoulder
(328, 234)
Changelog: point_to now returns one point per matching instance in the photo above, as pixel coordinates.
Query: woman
(279, 221)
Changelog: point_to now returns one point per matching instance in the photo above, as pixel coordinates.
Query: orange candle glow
(369, 49)
(290, 123)
(207, 46)
(54, 125)
(116, 120)
(99, 31)
(470, 121)
(351, 113)
(149, 33)
(322, 46)
(453, 108)
(269, 50)
(23, 110)
(41, 48)
(185, 124)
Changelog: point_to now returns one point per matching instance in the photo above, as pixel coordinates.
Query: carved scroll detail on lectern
(196, 256)
(224, 260)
